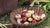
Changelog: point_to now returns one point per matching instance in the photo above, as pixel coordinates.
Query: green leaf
(44, 7)
(39, 5)
(48, 7)
(37, 2)
(46, 10)
(48, 3)
(32, 4)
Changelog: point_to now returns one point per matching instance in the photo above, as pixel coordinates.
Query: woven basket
(12, 15)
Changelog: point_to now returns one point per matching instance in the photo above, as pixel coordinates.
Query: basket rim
(31, 23)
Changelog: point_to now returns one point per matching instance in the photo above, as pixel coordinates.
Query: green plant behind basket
(46, 6)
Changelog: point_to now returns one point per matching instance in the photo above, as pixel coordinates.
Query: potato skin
(7, 6)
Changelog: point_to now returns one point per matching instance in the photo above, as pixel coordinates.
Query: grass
(5, 19)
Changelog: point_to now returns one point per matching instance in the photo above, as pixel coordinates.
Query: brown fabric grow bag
(12, 16)
(7, 6)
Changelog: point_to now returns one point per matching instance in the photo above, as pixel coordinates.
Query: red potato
(34, 21)
(23, 14)
(24, 19)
